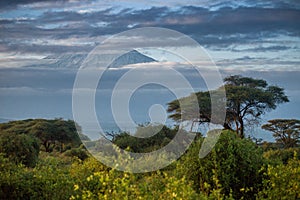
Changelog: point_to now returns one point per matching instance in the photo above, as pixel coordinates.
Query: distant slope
(3, 120)
(74, 61)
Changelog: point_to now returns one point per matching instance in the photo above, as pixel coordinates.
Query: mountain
(67, 61)
(74, 61)
(132, 57)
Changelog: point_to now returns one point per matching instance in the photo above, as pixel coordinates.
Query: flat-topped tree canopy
(285, 131)
(247, 99)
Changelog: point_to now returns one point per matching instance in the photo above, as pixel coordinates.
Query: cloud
(14, 3)
(4, 5)
(237, 28)
(137, 4)
(192, 20)
(259, 64)
(275, 48)
(22, 90)
(16, 91)
(33, 78)
(257, 38)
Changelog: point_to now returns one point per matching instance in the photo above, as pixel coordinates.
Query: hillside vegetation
(237, 168)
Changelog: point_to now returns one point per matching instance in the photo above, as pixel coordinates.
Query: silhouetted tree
(247, 99)
(285, 131)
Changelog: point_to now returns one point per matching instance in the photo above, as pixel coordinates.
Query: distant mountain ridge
(74, 61)
(132, 57)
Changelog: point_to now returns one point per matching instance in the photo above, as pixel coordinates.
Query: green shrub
(20, 148)
(118, 185)
(281, 155)
(53, 134)
(46, 181)
(282, 181)
(234, 162)
(146, 139)
(235, 168)
(79, 152)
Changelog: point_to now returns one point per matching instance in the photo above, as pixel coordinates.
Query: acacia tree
(285, 131)
(53, 132)
(45, 132)
(50, 133)
(247, 99)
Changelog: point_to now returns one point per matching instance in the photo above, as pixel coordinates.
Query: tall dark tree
(247, 99)
(285, 131)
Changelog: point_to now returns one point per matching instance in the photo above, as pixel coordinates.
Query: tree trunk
(61, 147)
(226, 126)
(237, 127)
(47, 146)
(241, 127)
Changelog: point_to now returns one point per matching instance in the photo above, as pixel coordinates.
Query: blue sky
(259, 38)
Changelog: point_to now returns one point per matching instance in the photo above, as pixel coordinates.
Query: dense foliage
(282, 181)
(56, 133)
(236, 169)
(235, 162)
(20, 148)
(142, 141)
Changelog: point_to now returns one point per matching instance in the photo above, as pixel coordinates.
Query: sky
(257, 38)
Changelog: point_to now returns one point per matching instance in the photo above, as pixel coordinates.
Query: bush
(281, 155)
(79, 152)
(53, 134)
(234, 162)
(46, 181)
(118, 185)
(282, 181)
(235, 168)
(144, 140)
(20, 148)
